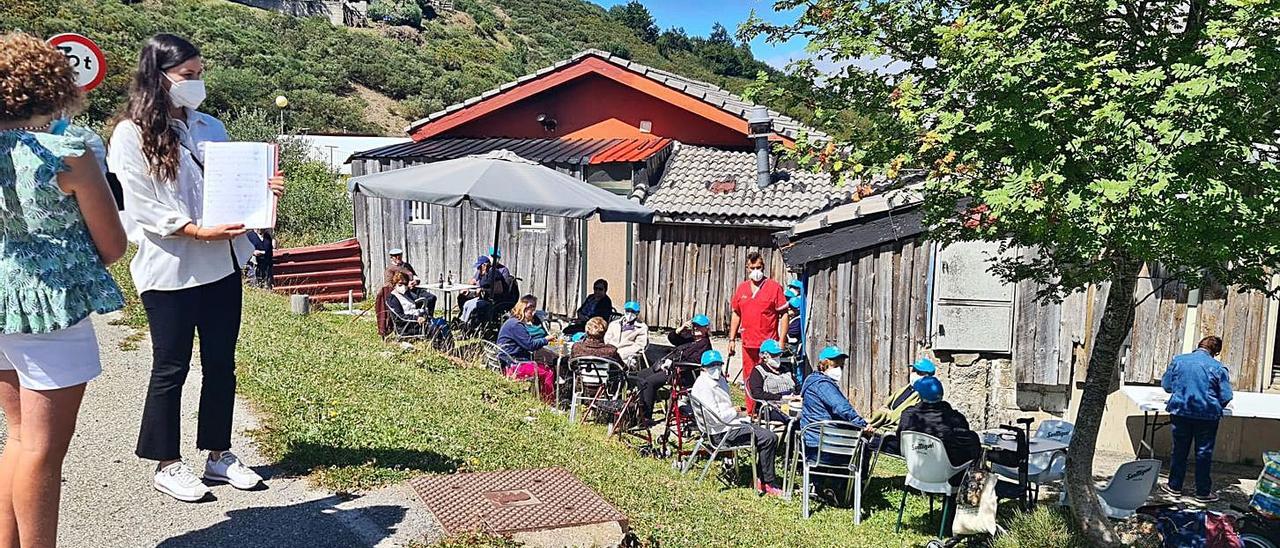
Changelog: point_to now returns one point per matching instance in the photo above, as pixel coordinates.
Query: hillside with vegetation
(407, 63)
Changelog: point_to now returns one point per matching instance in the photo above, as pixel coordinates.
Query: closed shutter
(972, 307)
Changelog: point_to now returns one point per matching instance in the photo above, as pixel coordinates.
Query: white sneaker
(180, 482)
(231, 470)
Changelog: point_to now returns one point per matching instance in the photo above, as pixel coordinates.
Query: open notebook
(235, 184)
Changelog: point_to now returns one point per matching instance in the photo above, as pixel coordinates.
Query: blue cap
(790, 293)
(929, 388)
(481, 260)
(796, 303)
(771, 347)
(632, 306)
(495, 252)
(701, 320)
(797, 285)
(577, 337)
(925, 365)
(832, 352)
(712, 357)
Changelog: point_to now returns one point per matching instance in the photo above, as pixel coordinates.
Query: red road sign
(86, 59)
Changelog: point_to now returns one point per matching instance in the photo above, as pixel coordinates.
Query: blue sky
(697, 17)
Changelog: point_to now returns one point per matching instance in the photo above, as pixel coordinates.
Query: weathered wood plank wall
(548, 261)
(873, 302)
(682, 270)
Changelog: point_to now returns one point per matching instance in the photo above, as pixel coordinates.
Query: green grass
(342, 407)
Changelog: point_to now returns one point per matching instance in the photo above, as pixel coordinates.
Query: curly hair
(35, 79)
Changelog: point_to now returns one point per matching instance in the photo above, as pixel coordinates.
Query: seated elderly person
(711, 390)
(691, 340)
(526, 355)
(597, 305)
(410, 311)
(628, 333)
(823, 400)
(886, 417)
(937, 418)
(593, 345)
(769, 383)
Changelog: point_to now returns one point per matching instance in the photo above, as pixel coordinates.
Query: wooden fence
(682, 270)
(874, 303)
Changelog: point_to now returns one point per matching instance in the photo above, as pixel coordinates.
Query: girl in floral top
(58, 229)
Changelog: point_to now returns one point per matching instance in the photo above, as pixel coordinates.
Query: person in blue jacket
(1199, 388)
(823, 400)
(514, 336)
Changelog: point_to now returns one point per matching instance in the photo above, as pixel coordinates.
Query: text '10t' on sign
(85, 57)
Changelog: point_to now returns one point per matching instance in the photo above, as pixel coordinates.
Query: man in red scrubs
(758, 306)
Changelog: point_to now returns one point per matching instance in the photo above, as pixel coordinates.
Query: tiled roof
(912, 194)
(561, 151)
(703, 91)
(684, 192)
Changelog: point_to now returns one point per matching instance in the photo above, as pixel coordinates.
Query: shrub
(316, 207)
(396, 12)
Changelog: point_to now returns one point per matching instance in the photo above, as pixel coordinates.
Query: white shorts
(48, 361)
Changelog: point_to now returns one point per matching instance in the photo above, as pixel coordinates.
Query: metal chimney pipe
(760, 126)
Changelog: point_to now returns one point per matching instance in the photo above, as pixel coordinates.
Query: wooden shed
(878, 288)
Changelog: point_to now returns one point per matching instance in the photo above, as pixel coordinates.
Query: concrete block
(1054, 402)
(1029, 399)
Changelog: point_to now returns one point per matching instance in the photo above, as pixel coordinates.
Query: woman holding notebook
(186, 273)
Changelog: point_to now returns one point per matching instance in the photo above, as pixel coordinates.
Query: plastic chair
(1129, 488)
(717, 444)
(1043, 468)
(595, 380)
(928, 471)
(838, 442)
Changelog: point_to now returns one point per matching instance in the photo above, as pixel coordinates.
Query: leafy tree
(674, 39)
(636, 17)
(1107, 134)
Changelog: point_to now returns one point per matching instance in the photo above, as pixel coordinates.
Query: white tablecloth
(1244, 404)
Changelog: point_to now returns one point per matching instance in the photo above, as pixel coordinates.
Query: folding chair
(405, 327)
(718, 444)
(839, 455)
(676, 421)
(595, 382)
(928, 471)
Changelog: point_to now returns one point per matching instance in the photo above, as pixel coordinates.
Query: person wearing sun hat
(628, 333)
(711, 390)
(823, 400)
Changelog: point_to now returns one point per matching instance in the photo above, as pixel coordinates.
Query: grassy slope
(254, 55)
(343, 408)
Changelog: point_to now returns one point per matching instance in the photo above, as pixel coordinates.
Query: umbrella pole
(497, 230)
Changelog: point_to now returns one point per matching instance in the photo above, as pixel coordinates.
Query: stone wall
(338, 12)
(985, 389)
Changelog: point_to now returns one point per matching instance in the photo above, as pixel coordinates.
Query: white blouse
(168, 261)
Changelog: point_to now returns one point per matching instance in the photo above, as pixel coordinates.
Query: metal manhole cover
(512, 501)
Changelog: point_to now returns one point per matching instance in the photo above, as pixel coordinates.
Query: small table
(448, 289)
(1152, 400)
(999, 439)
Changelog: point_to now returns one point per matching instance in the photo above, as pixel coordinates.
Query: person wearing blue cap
(769, 382)
(711, 391)
(628, 333)
(886, 417)
(478, 300)
(936, 417)
(689, 342)
(823, 400)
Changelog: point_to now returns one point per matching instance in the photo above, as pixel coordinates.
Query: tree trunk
(1100, 381)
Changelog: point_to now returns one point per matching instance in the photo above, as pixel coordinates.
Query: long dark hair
(148, 105)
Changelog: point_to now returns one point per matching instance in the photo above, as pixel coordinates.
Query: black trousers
(766, 448)
(212, 310)
(650, 381)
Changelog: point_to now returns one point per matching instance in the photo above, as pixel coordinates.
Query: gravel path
(108, 500)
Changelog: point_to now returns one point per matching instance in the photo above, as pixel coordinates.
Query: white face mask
(400, 288)
(629, 317)
(835, 373)
(186, 93)
(756, 274)
(772, 362)
(715, 372)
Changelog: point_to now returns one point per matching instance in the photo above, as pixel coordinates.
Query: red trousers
(750, 357)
